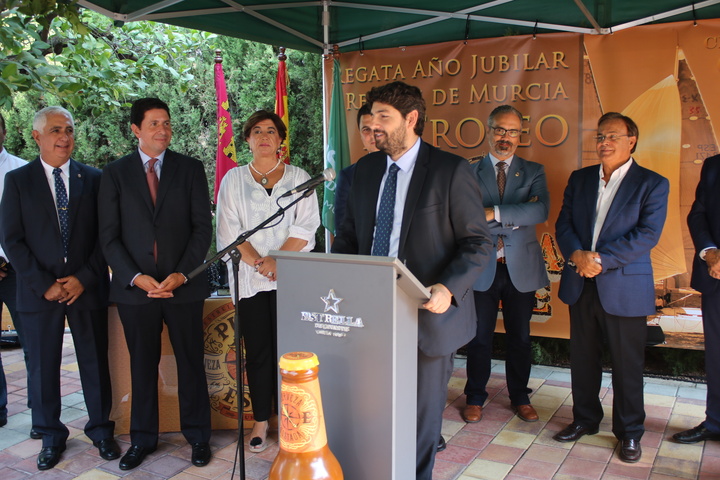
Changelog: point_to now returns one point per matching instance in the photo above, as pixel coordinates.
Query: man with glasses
(516, 198)
(612, 216)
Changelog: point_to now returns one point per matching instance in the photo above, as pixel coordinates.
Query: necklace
(264, 180)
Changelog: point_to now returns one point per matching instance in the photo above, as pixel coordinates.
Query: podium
(359, 315)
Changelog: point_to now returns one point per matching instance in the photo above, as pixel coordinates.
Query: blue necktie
(384, 223)
(61, 200)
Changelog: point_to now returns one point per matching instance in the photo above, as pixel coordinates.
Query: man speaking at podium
(415, 202)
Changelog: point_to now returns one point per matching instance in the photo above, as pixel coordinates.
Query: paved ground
(501, 446)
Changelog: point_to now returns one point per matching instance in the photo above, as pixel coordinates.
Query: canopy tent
(316, 26)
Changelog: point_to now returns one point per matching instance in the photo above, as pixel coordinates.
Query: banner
(281, 104)
(225, 157)
(662, 76)
(337, 155)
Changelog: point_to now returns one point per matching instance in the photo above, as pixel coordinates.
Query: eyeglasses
(613, 138)
(499, 131)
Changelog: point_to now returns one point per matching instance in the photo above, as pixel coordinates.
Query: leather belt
(501, 260)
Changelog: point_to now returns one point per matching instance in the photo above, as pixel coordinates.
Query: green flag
(338, 151)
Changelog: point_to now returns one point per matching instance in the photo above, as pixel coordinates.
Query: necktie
(152, 179)
(153, 183)
(61, 201)
(386, 213)
(501, 180)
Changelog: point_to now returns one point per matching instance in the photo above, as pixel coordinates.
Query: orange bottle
(304, 453)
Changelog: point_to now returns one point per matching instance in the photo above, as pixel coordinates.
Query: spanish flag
(281, 103)
(225, 158)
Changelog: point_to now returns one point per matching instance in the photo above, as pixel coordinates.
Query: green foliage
(58, 56)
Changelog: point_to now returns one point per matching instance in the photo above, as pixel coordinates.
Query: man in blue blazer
(49, 223)
(155, 228)
(436, 231)
(519, 269)
(704, 225)
(612, 216)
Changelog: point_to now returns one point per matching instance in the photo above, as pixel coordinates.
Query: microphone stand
(235, 255)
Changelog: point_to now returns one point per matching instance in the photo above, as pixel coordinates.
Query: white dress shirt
(606, 195)
(406, 163)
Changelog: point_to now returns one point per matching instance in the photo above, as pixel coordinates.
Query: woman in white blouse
(248, 195)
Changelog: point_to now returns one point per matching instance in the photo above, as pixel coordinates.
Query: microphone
(327, 176)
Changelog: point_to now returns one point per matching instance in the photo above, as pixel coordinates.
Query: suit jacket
(631, 229)
(443, 239)
(32, 240)
(704, 224)
(519, 216)
(180, 222)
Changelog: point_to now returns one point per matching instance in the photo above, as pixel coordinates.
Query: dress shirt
(605, 197)
(501, 251)
(243, 204)
(158, 165)
(65, 168)
(406, 163)
(7, 162)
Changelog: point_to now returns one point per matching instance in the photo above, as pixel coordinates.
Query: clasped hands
(712, 258)
(267, 267)
(162, 289)
(586, 264)
(65, 290)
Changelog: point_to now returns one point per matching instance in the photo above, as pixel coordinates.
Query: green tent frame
(316, 26)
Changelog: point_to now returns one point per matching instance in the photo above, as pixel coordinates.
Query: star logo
(331, 302)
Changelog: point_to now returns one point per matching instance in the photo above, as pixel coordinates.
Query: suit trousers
(44, 333)
(8, 296)
(711, 329)
(625, 337)
(517, 310)
(432, 384)
(258, 323)
(143, 326)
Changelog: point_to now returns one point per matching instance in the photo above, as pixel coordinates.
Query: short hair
(631, 126)
(142, 105)
(261, 115)
(403, 97)
(364, 110)
(502, 110)
(40, 118)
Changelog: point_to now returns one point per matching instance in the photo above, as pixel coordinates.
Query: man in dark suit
(515, 199)
(155, 228)
(433, 227)
(49, 225)
(345, 176)
(704, 225)
(612, 216)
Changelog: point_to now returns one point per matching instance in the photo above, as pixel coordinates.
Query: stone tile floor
(501, 446)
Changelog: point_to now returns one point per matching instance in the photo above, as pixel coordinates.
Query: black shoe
(573, 432)
(630, 451)
(201, 454)
(694, 435)
(108, 448)
(134, 457)
(3, 421)
(34, 434)
(441, 444)
(49, 457)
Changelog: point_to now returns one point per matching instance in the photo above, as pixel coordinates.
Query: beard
(392, 143)
(502, 147)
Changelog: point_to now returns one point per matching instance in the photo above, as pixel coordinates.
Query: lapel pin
(517, 174)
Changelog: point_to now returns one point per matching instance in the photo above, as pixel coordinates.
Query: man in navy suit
(434, 228)
(704, 225)
(519, 270)
(345, 176)
(155, 228)
(49, 225)
(612, 216)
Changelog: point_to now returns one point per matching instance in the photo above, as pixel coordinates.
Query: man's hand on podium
(440, 299)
